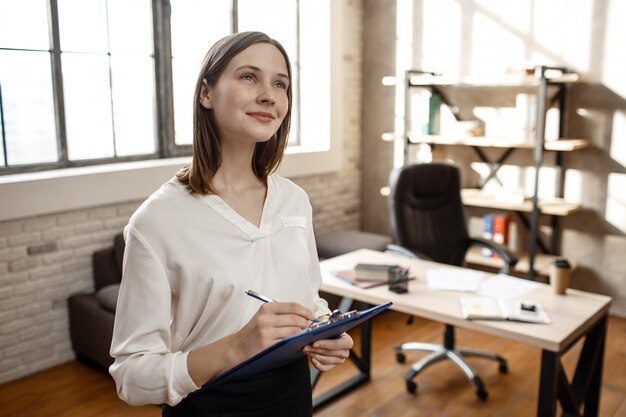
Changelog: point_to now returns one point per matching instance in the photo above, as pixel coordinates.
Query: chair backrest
(107, 264)
(426, 211)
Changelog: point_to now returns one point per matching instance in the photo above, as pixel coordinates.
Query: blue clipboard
(290, 348)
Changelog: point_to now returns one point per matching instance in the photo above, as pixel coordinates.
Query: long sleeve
(184, 281)
(146, 370)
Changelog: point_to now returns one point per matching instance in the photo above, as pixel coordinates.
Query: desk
(574, 316)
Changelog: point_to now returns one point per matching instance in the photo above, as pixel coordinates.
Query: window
(94, 81)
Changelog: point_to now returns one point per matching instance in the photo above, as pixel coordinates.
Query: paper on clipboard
(290, 348)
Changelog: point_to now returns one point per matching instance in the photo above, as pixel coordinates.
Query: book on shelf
(496, 228)
(487, 233)
(489, 308)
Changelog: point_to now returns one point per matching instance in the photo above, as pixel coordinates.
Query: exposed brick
(27, 288)
(75, 241)
(10, 228)
(3, 242)
(10, 254)
(23, 264)
(34, 309)
(35, 356)
(56, 257)
(42, 248)
(4, 268)
(6, 316)
(75, 264)
(45, 271)
(9, 364)
(57, 233)
(39, 223)
(72, 217)
(102, 212)
(33, 333)
(24, 239)
(7, 340)
(13, 327)
(10, 279)
(14, 302)
(89, 227)
(5, 292)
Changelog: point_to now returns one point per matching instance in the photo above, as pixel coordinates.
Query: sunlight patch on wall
(618, 144)
(404, 48)
(616, 201)
(441, 41)
(614, 64)
(573, 189)
(490, 35)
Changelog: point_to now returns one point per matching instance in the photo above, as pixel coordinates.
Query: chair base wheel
(504, 369)
(411, 387)
(482, 394)
(400, 357)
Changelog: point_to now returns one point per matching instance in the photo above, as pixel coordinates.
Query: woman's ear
(205, 99)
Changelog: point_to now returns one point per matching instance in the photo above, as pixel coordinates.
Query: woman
(223, 225)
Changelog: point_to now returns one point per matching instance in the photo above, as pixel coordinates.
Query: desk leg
(363, 364)
(585, 387)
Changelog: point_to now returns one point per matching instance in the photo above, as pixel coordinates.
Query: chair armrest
(402, 251)
(509, 258)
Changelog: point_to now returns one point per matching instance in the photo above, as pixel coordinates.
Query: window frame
(166, 146)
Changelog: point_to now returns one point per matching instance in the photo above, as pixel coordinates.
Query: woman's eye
(281, 85)
(247, 77)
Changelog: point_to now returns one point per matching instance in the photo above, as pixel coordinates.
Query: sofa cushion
(107, 296)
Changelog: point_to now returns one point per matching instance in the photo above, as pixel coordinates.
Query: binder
(290, 348)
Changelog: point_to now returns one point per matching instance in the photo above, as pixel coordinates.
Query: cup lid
(562, 263)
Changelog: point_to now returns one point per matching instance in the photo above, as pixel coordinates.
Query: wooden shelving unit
(542, 263)
(555, 79)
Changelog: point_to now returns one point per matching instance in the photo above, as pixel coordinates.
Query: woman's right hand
(271, 323)
(274, 321)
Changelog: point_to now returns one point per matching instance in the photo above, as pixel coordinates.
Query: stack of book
(373, 275)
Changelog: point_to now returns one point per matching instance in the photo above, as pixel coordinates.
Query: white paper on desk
(447, 279)
(505, 286)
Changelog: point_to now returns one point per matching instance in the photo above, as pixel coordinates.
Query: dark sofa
(91, 315)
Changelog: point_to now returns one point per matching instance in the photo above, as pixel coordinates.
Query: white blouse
(187, 263)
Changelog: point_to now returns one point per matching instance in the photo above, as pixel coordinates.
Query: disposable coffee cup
(560, 271)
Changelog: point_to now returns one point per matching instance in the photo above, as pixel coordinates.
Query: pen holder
(398, 280)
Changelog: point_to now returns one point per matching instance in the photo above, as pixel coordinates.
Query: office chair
(427, 221)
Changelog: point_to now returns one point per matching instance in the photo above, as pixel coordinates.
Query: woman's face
(249, 100)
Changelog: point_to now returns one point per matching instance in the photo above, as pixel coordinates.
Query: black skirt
(283, 391)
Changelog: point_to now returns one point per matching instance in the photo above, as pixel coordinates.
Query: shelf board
(491, 142)
(541, 265)
(554, 206)
(506, 80)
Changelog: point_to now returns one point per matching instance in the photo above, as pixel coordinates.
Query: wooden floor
(76, 390)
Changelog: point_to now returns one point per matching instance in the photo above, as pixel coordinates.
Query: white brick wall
(45, 259)
(42, 261)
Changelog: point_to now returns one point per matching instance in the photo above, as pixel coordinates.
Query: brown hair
(207, 152)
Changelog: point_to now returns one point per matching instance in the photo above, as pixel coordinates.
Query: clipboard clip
(335, 316)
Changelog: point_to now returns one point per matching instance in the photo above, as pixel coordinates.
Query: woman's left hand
(328, 353)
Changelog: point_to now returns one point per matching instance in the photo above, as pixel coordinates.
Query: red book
(501, 229)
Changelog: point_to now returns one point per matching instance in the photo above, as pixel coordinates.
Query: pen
(258, 296)
(267, 299)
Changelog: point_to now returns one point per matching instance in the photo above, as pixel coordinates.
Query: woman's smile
(262, 117)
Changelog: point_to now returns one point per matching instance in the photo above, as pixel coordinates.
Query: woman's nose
(266, 96)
